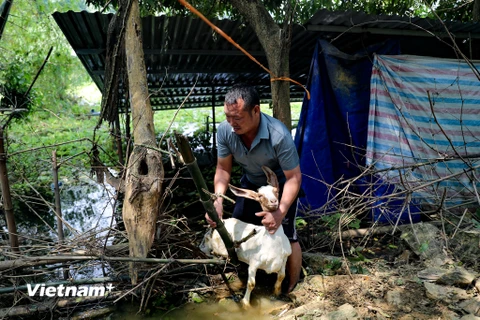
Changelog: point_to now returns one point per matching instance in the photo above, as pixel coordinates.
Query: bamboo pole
(7, 197)
(206, 200)
(4, 13)
(58, 208)
(41, 260)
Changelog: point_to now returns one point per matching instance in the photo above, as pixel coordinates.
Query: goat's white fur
(264, 251)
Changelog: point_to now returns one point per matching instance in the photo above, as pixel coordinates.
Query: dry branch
(31, 309)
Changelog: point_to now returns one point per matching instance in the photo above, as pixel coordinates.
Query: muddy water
(261, 309)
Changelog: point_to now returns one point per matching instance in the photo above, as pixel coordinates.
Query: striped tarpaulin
(424, 123)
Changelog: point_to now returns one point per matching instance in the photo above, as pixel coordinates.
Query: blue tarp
(331, 136)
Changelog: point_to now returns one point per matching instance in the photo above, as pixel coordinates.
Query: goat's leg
(252, 271)
(278, 285)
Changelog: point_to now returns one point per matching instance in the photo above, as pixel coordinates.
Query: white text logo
(68, 291)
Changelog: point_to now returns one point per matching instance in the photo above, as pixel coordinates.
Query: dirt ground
(394, 293)
(383, 293)
(382, 281)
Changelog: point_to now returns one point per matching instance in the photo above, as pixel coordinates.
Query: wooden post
(7, 198)
(58, 208)
(214, 129)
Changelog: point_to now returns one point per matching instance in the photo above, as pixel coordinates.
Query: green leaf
(423, 247)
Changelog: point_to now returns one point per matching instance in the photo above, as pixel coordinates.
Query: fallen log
(357, 233)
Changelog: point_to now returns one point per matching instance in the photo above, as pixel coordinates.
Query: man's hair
(248, 93)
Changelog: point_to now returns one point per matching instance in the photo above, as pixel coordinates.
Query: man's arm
(273, 220)
(220, 184)
(290, 190)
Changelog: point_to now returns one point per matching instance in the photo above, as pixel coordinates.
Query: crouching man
(255, 139)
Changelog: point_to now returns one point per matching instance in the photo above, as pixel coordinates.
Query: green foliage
(195, 297)
(409, 8)
(27, 38)
(209, 8)
(164, 301)
(331, 267)
(14, 83)
(305, 9)
(331, 221)
(357, 255)
(455, 10)
(423, 247)
(300, 223)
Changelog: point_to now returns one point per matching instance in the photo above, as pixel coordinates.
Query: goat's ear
(239, 192)
(271, 177)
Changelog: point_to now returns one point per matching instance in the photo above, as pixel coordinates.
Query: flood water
(89, 207)
(262, 309)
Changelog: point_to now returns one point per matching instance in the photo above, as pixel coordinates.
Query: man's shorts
(245, 210)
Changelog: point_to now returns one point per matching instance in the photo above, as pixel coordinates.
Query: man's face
(240, 120)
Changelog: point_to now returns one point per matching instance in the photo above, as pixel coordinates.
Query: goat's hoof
(246, 304)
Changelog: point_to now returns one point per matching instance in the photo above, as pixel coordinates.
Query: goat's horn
(271, 177)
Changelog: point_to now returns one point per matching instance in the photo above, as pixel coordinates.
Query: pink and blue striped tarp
(424, 124)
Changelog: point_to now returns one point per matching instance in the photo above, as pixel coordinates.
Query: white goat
(264, 251)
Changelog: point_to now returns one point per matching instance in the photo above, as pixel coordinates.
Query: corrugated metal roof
(350, 31)
(361, 22)
(183, 51)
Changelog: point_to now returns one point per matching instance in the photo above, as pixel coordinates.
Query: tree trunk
(145, 173)
(276, 43)
(476, 11)
(7, 198)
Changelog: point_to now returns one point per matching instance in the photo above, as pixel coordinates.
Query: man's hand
(271, 220)
(218, 204)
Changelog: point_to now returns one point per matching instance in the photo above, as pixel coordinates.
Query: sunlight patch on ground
(90, 94)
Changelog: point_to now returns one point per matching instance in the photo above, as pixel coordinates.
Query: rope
(229, 39)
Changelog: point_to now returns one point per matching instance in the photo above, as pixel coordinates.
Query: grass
(189, 118)
(69, 132)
